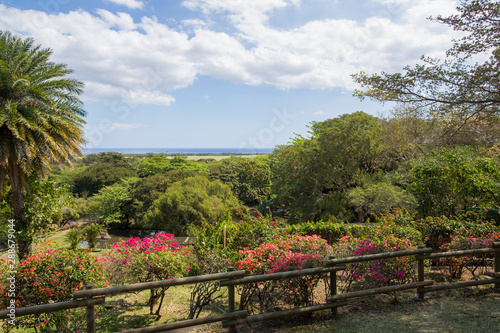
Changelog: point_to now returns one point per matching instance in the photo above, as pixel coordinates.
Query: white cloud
(319, 113)
(143, 61)
(132, 4)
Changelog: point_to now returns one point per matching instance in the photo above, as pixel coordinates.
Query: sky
(225, 73)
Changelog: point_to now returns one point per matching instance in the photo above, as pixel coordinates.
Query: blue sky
(224, 73)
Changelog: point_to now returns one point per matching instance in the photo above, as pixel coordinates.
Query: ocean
(191, 151)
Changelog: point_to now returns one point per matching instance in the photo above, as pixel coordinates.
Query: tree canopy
(41, 120)
(311, 175)
(455, 90)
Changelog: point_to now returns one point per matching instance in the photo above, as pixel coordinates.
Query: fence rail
(91, 297)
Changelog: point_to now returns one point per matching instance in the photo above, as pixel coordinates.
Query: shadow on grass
(124, 315)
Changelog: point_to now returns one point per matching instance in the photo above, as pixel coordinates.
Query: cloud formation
(143, 61)
(132, 4)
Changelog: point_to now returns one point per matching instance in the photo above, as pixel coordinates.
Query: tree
(40, 120)
(380, 197)
(311, 175)
(249, 178)
(455, 92)
(190, 202)
(105, 169)
(450, 181)
(114, 203)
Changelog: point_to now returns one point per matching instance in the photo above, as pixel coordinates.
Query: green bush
(193, 200)
(330, 230)
(74, 236)
(90, 234)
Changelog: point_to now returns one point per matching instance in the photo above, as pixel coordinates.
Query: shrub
(375, 273)
(52, 276)
(331, 231)
(74, 236)
(149, 259)
(474, 264)
(283, 254)
(90, 234)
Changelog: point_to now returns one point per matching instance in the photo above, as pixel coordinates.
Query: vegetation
(40, 122)
(356, 184)
(193, 200)
(461, 97)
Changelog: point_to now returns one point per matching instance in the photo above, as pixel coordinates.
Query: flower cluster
(151, 258)
(51, 276)
(376, 273)
(284, 254)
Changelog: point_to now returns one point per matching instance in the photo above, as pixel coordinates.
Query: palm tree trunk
(24, 245)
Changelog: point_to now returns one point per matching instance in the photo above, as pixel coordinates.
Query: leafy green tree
(379, 197)
(150, 188)
(105, 169)
(311, 175)
(451, 181)
(456, 93)
(190, 202)
(40, 121)
(114, 203)
(249, 178)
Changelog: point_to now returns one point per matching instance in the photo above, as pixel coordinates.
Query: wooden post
(496, 247)
(421, 272)
(231, 301)
(90, 313)
(333, 286)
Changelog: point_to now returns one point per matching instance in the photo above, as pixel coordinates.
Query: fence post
(333, 286)
(496, 248)
(421, 278)
(231, 300)
(90, 313)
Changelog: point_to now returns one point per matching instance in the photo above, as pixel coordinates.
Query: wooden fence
(91, 297)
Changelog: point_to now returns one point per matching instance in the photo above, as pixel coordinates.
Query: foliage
(105, 169)
(41, 121)
(160, 163)
(311, 175)
(249, 178)
(90, 234)
(149, 259)
(377, 273)
(331, 231)
(454, 92)
(436, 231)
(451, 181)
(284, 253)
(378, 198)
(74, 236)
(193, 201)
(52, 276)
(114, 203)
(78, 209)
(149, 189)
(477, 264)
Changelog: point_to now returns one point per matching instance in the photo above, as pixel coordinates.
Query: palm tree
(41, 121)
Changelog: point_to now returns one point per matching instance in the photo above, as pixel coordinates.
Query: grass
(458, 311)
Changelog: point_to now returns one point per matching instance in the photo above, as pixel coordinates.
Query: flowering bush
(51, 276)
(149, 259)
(283, 254)
(378, 273)
(473, 264)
